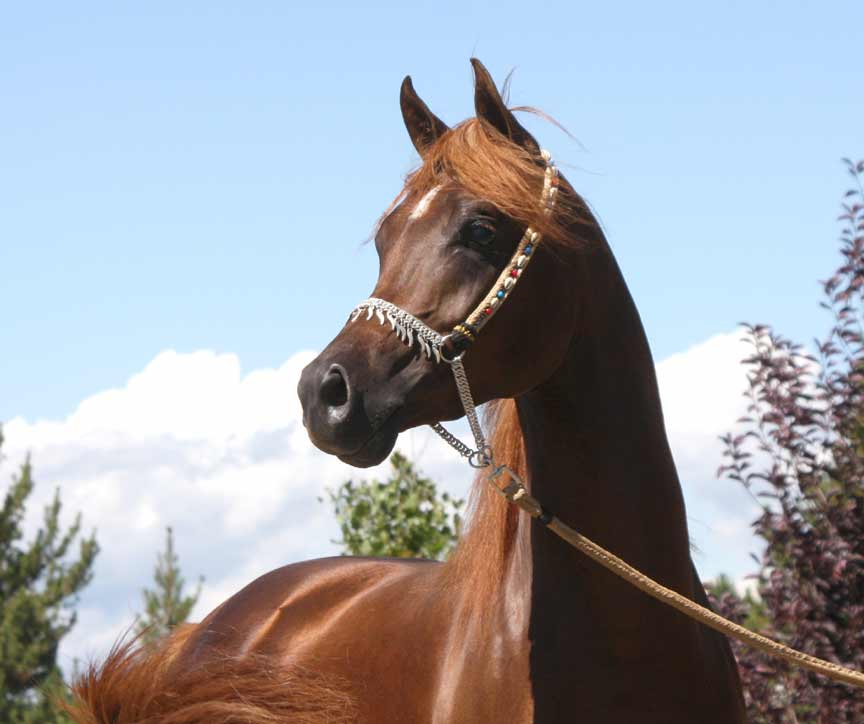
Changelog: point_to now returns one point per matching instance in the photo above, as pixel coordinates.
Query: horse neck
(597, 454)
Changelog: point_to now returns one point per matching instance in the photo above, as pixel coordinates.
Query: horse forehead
(422, 206)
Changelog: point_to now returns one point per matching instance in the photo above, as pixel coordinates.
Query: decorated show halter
(451, 348)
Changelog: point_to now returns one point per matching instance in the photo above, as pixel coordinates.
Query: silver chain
(482, 456)
(464, 450)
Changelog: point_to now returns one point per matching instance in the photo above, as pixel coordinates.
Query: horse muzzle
(340, 416)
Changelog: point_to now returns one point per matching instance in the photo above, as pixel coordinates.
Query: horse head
(445, 242)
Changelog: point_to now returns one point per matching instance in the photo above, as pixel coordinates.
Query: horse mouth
(375, 450)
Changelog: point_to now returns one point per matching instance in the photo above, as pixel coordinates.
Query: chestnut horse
(516, 626)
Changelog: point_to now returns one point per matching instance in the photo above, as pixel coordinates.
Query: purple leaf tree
(800, 453)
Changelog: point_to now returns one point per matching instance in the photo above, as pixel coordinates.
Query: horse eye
(481, 233)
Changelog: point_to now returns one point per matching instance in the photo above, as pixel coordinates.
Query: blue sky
(202, 175)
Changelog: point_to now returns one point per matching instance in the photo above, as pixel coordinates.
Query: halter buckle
(512, 490)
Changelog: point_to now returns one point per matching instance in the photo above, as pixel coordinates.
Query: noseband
(451, 348)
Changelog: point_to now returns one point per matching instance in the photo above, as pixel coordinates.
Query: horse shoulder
(279, 612)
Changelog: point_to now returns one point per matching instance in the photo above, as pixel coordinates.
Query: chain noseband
(450, 348)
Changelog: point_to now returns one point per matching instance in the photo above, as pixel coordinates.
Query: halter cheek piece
(450, 348)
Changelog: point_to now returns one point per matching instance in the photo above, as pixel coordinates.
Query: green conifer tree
(39, 587)
(166, 606)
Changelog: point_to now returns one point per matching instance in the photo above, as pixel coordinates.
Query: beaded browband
(433, 344)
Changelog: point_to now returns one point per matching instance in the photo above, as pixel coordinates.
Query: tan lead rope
(516, 493)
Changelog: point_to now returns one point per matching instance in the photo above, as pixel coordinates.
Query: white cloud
(701, 390)
(222, 457)
(193, 443)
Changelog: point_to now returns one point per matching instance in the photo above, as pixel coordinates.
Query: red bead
(514, 272)
(488, 311)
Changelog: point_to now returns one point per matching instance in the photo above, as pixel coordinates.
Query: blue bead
(500, 295)
(527, 249)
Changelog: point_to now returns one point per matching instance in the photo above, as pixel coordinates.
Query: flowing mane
(490, 538)
(476, 157)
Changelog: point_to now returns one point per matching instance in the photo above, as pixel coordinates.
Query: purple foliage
(800, 452)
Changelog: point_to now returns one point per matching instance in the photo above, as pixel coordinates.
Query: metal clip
(481, 458)
(512, 490)
(448, 347)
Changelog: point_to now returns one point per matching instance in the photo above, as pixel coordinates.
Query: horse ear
(489, 106)
(423, 126)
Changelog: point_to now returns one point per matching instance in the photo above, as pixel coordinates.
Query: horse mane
(137, 684)
(478, 158)
(490, 539)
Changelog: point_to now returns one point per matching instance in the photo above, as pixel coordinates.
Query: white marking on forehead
(423, 204)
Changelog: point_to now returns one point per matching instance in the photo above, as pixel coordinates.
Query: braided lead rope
(517, 494)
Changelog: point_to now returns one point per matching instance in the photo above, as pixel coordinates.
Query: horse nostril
(334, 387)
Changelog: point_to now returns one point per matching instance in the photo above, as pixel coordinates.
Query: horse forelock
(477, 158)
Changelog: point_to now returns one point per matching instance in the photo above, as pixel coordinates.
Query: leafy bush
(799, 453)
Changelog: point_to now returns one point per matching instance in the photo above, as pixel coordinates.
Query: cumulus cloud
(701, 390)
(222, 456)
